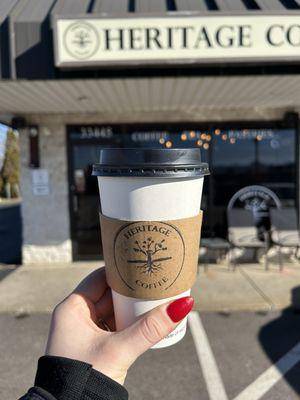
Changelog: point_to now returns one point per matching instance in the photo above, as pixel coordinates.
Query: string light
(208, 138)
(203, 136)
(232, 140)
(192, 134)
(217, 131)
(224, 136)
(206, 146)
(199, 142)
(258, 138)
(169, 144)
(161, 140)
(183, 137)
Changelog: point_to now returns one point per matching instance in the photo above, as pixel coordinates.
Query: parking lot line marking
(271, 376)
(211, 374)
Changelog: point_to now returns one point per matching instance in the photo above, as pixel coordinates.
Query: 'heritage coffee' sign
(150, 40)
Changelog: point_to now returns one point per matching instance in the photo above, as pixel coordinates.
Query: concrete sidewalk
(35, 289)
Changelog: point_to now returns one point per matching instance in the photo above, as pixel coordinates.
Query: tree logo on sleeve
(81, 40)
(148, 248)
(149, 256)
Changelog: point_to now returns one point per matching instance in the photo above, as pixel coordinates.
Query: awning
(155, 99)
(26, 41)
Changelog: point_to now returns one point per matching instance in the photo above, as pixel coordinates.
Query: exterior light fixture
(169, 144)
(34, 148)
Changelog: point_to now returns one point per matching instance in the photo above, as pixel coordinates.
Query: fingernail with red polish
(179, 308)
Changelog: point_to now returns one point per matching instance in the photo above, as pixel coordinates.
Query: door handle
(75, 203)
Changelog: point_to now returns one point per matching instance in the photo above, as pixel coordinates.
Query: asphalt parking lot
(224, 356)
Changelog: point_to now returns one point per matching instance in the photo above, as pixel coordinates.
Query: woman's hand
(77, 331)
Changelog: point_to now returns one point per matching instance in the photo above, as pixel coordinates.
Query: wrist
(70, 379)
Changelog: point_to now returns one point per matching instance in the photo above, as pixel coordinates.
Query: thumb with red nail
(152, 327)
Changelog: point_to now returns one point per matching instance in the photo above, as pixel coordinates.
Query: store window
(244, 157)
(9, 164)
(237, 158)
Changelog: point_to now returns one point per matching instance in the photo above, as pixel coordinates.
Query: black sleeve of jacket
(60, 378)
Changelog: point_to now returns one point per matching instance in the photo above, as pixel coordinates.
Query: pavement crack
(258, 289)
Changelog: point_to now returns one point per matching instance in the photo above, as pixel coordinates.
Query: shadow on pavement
(279, 336)
(6, 270)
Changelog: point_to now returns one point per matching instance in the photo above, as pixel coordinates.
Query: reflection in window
(169, 138)
(236, 157)
(245, 157)
(9, 163)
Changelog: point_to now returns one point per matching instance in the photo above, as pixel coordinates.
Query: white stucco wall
(46, 231)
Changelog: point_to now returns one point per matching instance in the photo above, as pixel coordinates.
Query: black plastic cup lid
(147, 162)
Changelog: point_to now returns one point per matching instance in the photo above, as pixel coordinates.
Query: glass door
(84, 202)
(84, 145)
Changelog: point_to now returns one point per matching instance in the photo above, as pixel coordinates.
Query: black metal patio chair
(218, 246)
(285, 230)
(243, 233)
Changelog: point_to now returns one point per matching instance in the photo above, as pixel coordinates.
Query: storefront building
(80, 75)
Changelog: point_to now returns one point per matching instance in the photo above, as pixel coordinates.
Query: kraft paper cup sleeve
(151, 259)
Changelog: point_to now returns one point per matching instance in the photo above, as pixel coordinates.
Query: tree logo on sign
(81, 40)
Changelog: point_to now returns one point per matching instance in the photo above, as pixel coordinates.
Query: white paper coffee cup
(148, 198)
